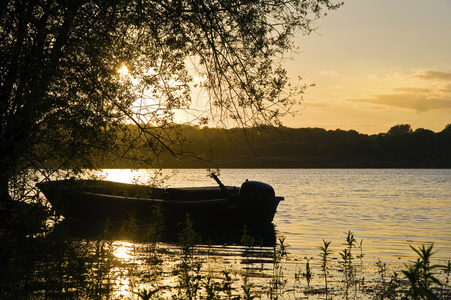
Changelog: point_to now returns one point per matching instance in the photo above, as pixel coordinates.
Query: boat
(91, 202)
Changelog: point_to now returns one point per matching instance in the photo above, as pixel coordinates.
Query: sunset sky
(377, 64)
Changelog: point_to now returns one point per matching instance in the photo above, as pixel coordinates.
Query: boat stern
(257, 202)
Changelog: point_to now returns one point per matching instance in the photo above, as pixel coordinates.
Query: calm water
(387, 209)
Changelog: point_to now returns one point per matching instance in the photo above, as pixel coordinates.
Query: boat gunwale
(62, 186)
(162, 201)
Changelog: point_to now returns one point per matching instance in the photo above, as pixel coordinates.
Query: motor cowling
(257, 202)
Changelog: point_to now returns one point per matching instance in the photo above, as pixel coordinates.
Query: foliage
(347, 263)
(387, 290)
(146, 294)
(325, 252)
(189, 279)
(73, 74)
(248, 293)
(267, 147)
(421, 275)
(278, 281)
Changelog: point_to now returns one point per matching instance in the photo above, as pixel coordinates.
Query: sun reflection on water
(123, 175)
(123, 251)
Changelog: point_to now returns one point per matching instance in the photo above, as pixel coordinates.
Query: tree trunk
(4, 181)
(6, 203)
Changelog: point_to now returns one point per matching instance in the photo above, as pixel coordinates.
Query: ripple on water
(389, 209)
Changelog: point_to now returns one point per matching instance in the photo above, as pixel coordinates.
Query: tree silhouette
(75, 73)
(400, 129)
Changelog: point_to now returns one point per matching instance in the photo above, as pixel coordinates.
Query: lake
(389, 209)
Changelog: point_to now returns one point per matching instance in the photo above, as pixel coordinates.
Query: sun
(123, 71)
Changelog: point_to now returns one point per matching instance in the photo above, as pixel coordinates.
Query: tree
(75, 73)
(398, 130)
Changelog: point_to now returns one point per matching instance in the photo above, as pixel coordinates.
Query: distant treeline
(282, 147)
(400, 147)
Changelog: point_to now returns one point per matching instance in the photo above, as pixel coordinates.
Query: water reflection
(123, 250)
(264, 235)
(386, 222)
(389, 209)
(166, 270)
(128, 175)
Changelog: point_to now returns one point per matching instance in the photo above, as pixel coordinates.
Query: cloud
(446, 88)
(414, 90)
(433, 75)
(417, 102)
(422, 91)
(317, 104)
(329, 73)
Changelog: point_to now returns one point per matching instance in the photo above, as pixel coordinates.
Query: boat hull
(91, 204)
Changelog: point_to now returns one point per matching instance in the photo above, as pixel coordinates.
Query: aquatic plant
(189, 277)
(278, 282)
(308, 272)
(325, 252)
(247, 239)
(153, 231)
(212, 288)
(56, 265)
(146, 294)
(386, 289)
(248, 293)
(445, 285)
(227, 287)
(422, 276)
(348, 266)
(129, 228)
(347, 262)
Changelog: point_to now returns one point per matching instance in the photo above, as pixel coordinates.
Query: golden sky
(375, 64)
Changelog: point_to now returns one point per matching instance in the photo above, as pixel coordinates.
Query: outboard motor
(257, 202)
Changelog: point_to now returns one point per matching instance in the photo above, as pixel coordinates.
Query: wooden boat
(90, 202)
